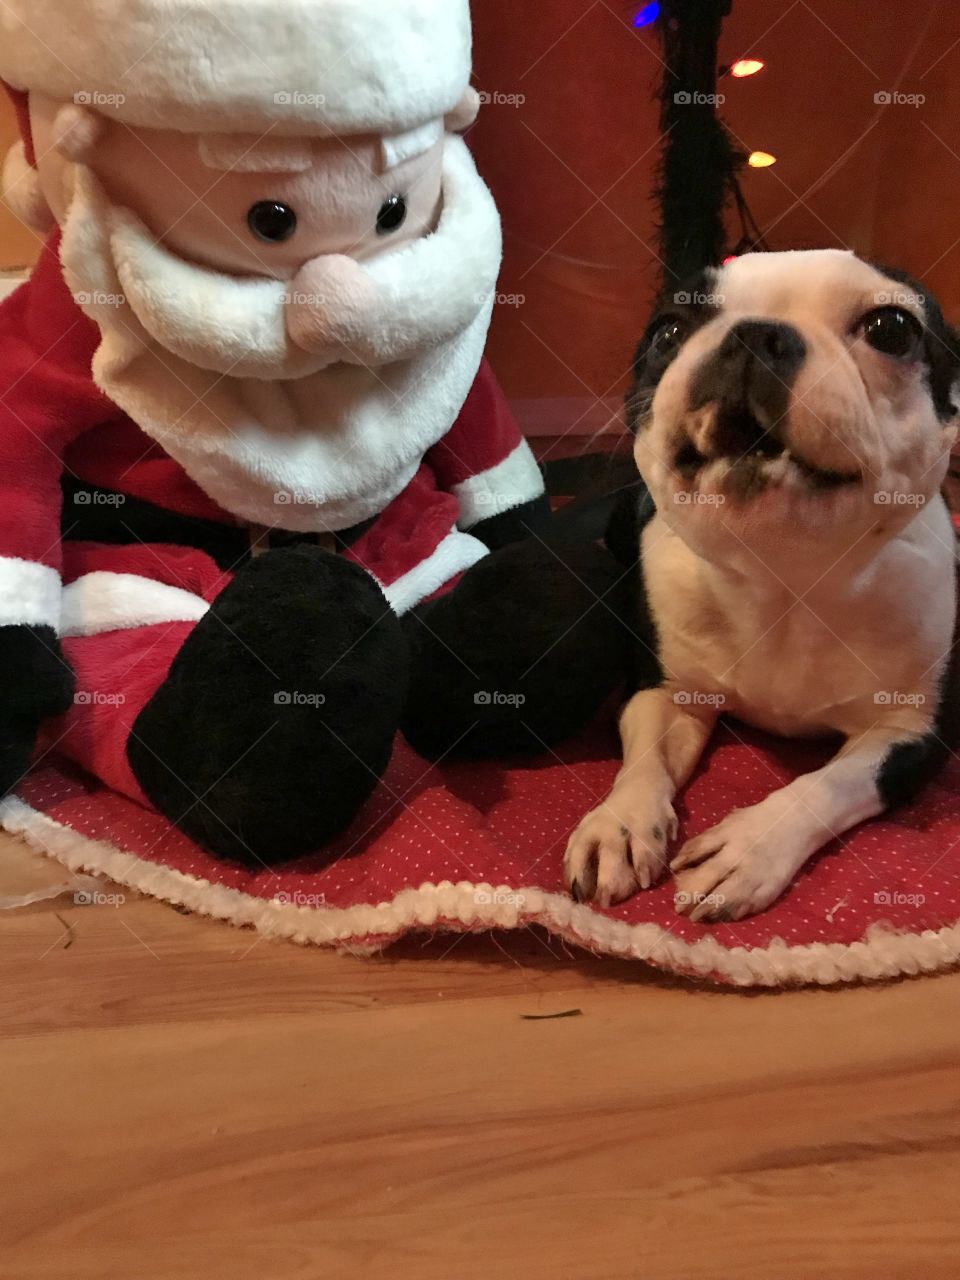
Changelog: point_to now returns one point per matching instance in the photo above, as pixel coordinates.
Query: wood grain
(183, 1100)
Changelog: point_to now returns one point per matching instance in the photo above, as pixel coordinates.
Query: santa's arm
(485, 461)
(47, 398)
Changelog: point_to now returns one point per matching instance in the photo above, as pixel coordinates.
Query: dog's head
(787, 402)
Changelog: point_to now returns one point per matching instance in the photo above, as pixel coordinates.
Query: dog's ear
(941, 346)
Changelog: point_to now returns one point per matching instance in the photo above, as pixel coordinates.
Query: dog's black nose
(778, 347)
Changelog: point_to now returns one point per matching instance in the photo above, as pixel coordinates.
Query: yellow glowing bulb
(744, 67)
(761, 160)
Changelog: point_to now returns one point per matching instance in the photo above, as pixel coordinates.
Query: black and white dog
(793, 420)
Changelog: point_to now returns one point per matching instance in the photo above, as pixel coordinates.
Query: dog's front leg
(747, 861)
(621, 846)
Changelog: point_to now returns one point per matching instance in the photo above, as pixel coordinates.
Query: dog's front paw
(617, 849)
(735, 869)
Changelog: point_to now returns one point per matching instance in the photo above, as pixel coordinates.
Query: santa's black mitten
(35, 683)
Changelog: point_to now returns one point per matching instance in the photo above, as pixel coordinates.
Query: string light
(744, 67)
(647, 15)
(761, 160)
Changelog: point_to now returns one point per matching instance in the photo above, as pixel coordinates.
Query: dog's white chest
(798, 663)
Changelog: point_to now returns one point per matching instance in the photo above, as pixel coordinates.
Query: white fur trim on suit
(455, 554)
(881, 953)
(297, 66)
(101, 601)
(21, 191)
(511, 483)
(29, 594)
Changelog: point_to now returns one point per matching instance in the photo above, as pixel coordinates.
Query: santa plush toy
(252, 466)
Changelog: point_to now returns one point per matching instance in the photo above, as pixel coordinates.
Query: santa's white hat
(294, 67)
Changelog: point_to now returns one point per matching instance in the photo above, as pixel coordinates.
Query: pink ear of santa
(21, 192)
(465, 112)
(75, 132)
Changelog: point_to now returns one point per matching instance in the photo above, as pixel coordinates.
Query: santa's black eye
(893, 331)
(271, 221)
(392, 215)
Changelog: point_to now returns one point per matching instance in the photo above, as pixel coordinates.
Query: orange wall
(573, 167)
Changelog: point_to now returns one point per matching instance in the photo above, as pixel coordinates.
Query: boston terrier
(793, 415)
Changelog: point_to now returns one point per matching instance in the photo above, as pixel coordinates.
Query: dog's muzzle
(749, 378)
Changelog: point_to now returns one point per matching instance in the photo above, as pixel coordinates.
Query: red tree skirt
(468, 847)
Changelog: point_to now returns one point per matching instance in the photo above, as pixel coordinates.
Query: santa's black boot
(277, 718)
(522, 654)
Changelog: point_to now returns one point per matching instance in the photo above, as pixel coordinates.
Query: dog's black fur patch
(235, 747)
(633, 512)
(521, 655)
(911, 764)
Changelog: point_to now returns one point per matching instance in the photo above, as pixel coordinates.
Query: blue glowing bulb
(648, 14)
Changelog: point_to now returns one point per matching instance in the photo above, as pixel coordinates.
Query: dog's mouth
(764, 461)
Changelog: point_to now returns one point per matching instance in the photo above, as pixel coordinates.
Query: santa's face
(260, 205)
(270, 257)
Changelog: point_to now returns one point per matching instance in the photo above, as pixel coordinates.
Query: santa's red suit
(72, 462)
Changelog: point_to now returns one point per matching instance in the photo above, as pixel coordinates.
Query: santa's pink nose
(330, 303)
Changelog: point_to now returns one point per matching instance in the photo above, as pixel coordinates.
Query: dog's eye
(271, 221)
(392, 215)
(668, 338)
(892, 331)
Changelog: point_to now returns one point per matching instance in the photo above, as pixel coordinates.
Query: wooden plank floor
(181, 1100)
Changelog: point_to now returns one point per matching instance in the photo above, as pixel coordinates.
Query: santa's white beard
(203, 363)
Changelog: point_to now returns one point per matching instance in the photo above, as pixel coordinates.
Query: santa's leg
(522, 653)
(277, 718)
(261, 729)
